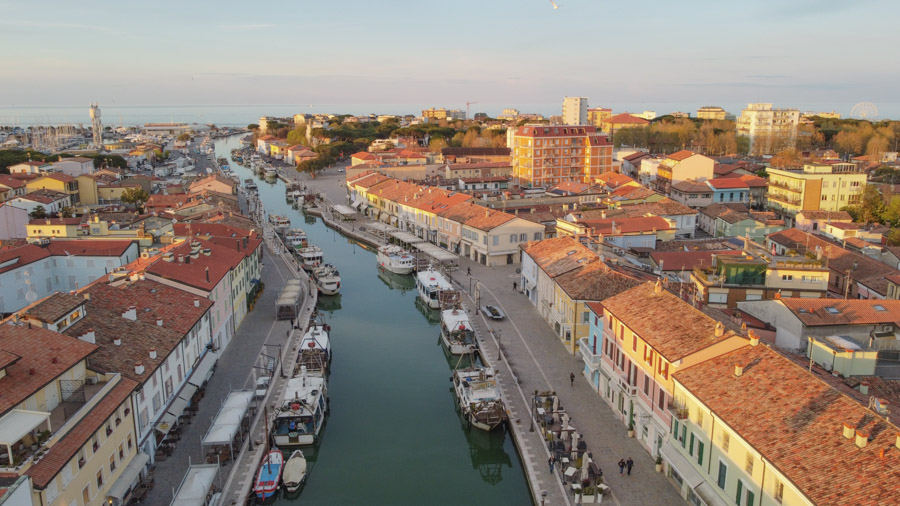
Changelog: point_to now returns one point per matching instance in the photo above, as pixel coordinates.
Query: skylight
(832, 310)
(879, 307)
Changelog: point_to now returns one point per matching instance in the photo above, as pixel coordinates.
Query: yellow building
(711, 112)
(54, 227)
(827, 186)
(544, 156)
(749, 427)
(598, 115)
(58, 182)
(112, 193)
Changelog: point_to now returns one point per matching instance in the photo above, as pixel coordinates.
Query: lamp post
(499, 351)
(533, 402)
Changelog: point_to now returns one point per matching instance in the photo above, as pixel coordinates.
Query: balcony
(677, 410)
(785, 186)
(794, 201)
(587, 354)
(712, 277)
(630, 390)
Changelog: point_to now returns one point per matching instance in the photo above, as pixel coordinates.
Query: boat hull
(395, 269)
(328, 291)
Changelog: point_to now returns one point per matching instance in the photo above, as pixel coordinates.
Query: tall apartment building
(575, 111)
(431, 115)
(826, 186)
(769, 129)
(711, 112)
(598, 115)
(543, 156)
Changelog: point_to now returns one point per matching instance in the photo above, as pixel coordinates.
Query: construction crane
(467, 108)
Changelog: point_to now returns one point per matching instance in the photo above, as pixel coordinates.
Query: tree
(297, 136)
(893, 237)
(184, 137)
(252, 126)
(38, 213)
(891, 213)
(871, 204)
(66, 212)
(136, 196)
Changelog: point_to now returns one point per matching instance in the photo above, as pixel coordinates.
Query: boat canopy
(195, 488)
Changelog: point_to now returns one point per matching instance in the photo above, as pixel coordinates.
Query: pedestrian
(514, 286)
(551, 461)
(621, 467)
(572, 379)
(468, 271)
(629, 464)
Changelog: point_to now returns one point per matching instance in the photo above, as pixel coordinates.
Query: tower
(96, 126)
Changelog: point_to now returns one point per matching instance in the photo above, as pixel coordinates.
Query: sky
(499, 53)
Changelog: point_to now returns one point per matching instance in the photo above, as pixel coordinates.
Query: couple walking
(625, 464)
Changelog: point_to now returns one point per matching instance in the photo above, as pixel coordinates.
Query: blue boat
(269, 475)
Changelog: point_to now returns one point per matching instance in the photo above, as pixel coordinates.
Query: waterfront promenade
(536, 360)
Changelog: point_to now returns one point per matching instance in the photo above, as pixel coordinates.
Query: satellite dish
(864, 110)
(30, 296)
(209, 170)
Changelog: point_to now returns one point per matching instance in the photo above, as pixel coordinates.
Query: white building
(769, 129)
(74, 167)
(52, 202)
(574, 111)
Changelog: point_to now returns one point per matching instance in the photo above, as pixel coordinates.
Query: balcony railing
(677, 410)
(587, 353)
(785, 186)
(626, 387)
(784, 198)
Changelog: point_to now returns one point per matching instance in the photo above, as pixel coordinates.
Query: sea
(244, 114)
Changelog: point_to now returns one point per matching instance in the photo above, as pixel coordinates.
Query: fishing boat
(479, 397)
(430, 285)
(249, 184)
(269, 475)
(300, 419)
(327, 278)
(295, 238)
(395, 259)
(310, 257)
(279, 223)
(294, 472)
(271, 174)
(315, 350)
(456, 332)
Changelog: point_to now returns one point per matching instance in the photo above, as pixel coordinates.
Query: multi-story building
(542, 261)
(729, 190)
(683, 166)
(758, 275)
(432, 115)
(711, 112)
(643, 346)
(768, 129)
(691, 193)
(751, 427)
(622, 121)
(491, 237)
(544, 156)
(828, 186)
(598, 115)
(575, 111)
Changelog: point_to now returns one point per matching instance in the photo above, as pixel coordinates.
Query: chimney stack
(117, 341)
(207, 274)
(754, 339)
(130, 314)
(864, 388)
(89, 337)
(862, 438)
(848, 431)
(139, 368)
(738, 370)
(720, 329)
(159, 322)
(87, 296)
(153, 353)
(196, 302)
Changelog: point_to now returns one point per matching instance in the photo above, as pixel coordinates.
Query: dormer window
(832, 310)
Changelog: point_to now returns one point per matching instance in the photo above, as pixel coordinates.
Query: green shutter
(683, 435)
(750, 498)
(691, 447)
(676, 429)
(700, 452)
(737, 498)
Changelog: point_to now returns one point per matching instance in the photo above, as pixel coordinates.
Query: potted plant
(630, 429)
(659, 464)
(588, 494)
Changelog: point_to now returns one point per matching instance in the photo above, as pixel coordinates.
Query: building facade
(544, 156)
(575, 111)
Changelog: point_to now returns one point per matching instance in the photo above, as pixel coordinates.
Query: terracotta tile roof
(21, 256)
(59, 176)
(682, 155)
(825, 215)
(56, 221)
(44, 356)
(626, 119)
(478, 165)
(715, 210)
(865, 270)
(363, 155)
(858, 243)
(667, 207)
(795, 421)
(66, 448)
(721, 169)
(642, 309)
(613, 179)
(160, 201)
(214, 178)
(435, 200)
(632, 193)
(687, 260)
(626, 225)
(471, 215)
(732, 217)
(44, 196)
(396, 191)
(50, 309)
(727, 183)
(559, 255)
(203, 272)
(636, 156)
(691, 187)
(92, 247)
(267, 138)
(179, 309)
(556, 131)
(754, 181)
(597, 281)
(370, 180)
(475, 151)
(817, 312)
(569, 187)
(12, 182)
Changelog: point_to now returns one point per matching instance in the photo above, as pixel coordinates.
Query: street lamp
(543, 497)
(533, 402)
(499, 351)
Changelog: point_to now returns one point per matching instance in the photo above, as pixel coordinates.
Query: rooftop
(682, 155)
(597, 281)
(819, 312)
(559, 255)
(727, 183)
(50, 309)
(687, 260)
(203, 272)
(471, 215)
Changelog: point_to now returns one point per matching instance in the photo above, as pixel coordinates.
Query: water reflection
(329, 302)
(401, 282)
(432, 316)
(487, 450)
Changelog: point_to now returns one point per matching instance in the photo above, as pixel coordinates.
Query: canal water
(394, 435)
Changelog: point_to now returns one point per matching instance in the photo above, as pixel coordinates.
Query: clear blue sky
(514, 52)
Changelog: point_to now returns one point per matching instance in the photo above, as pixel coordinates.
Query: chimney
(153, 353)
(89, 337)
(603, 214)
(117, 341)
(133, 277)
(848, 431)
(87, 296)
(657, 288)
(194, 254)
(738, 370)
(181, 258)
(168, 256)
(720, 329)
(862, 438)
(864, 388)
(130, 314)
(196, 302)
(207, 274)
(207, 252)
(754, 339)
(139, 368)
(897, 441)
(141, 276)
(159, 322)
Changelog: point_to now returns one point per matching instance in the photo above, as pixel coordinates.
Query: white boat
(299, 420)
(315, 350)
(295, 238)
(456, 332)
(393, 258)
(479, 397)
(249, 184)
(271, 174)
(310, 257)
(279, 223)
(327, 278)
(430, 284)
(294, 473)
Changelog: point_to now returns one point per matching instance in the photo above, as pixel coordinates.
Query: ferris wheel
(864, 110)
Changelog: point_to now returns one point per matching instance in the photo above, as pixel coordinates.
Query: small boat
(431, 284)
(295, 238)
(249, 184)
(456, 332)
(395, 259)
(294, 472)
(479, 397)
(301, 417)
(269, 475)
(271, 174)
(315, 350)
(279, 223)
(327, 278)
(310, 257)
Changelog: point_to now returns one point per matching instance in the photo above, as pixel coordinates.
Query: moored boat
(294, 472)
(300, 419)
(295, 238)
(249, 184)
(315, 350)
(456, 332)
(269, 475)
(327, 278)
(279, 223)
(271, 174)
(310, 257)
(395, 259)
(479, 397)
(430, 284)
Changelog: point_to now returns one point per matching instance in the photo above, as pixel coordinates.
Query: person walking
(629, 464)
(468, 271)
(515, 285)
(621, 466)
(572, 380)
(551, 461)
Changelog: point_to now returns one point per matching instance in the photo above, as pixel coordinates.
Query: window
(586, 317)
(129, 442)
(633, 342)
(100, 479)
(512, 238)
(496, 240)
(779, 491)
(86, 494)
(537, 236)
(723, 472)
(683, 434)
(726, 440)
(523, 237)
(112, 463)
(691, 445)
(646, 385)
(748, 465)
(718, 298)
(699, 453)
(121, 451)
(662, 399)
(787, 277)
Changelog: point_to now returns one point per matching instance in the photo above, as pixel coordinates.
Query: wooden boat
(269, 475)
(300, 419)
(479, 397)
(294, 472)
(457, 333)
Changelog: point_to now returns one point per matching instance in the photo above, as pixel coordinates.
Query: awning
(709, 496)
(203, 370)
(18, 423)
(175, 410)
(344, 210)
(681, 465)
(196, 485)
(128, 477)
(187, 391)
(228, 419)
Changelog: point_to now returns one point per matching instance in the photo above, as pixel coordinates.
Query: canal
(394, 435)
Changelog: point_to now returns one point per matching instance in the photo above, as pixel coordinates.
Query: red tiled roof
(60, 176)
(754, 181)
(12, 182)
(82, 247)
(597, 281)
(364, 155)
(795, 421)
(44, 196)
(176, 307)
(52, 308)
(626, 119)
(635, 156)
(203, 272)
(558, 255)
(613, 179)
(687, 260)
(682, 155)
(625, 225)
(556, 131)
(21, 256)
(727, 183)
(56, 221)
(44, 356)
(482, 218)
(267, 138)
(813, 312)
(690, 187)
(826, 215)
